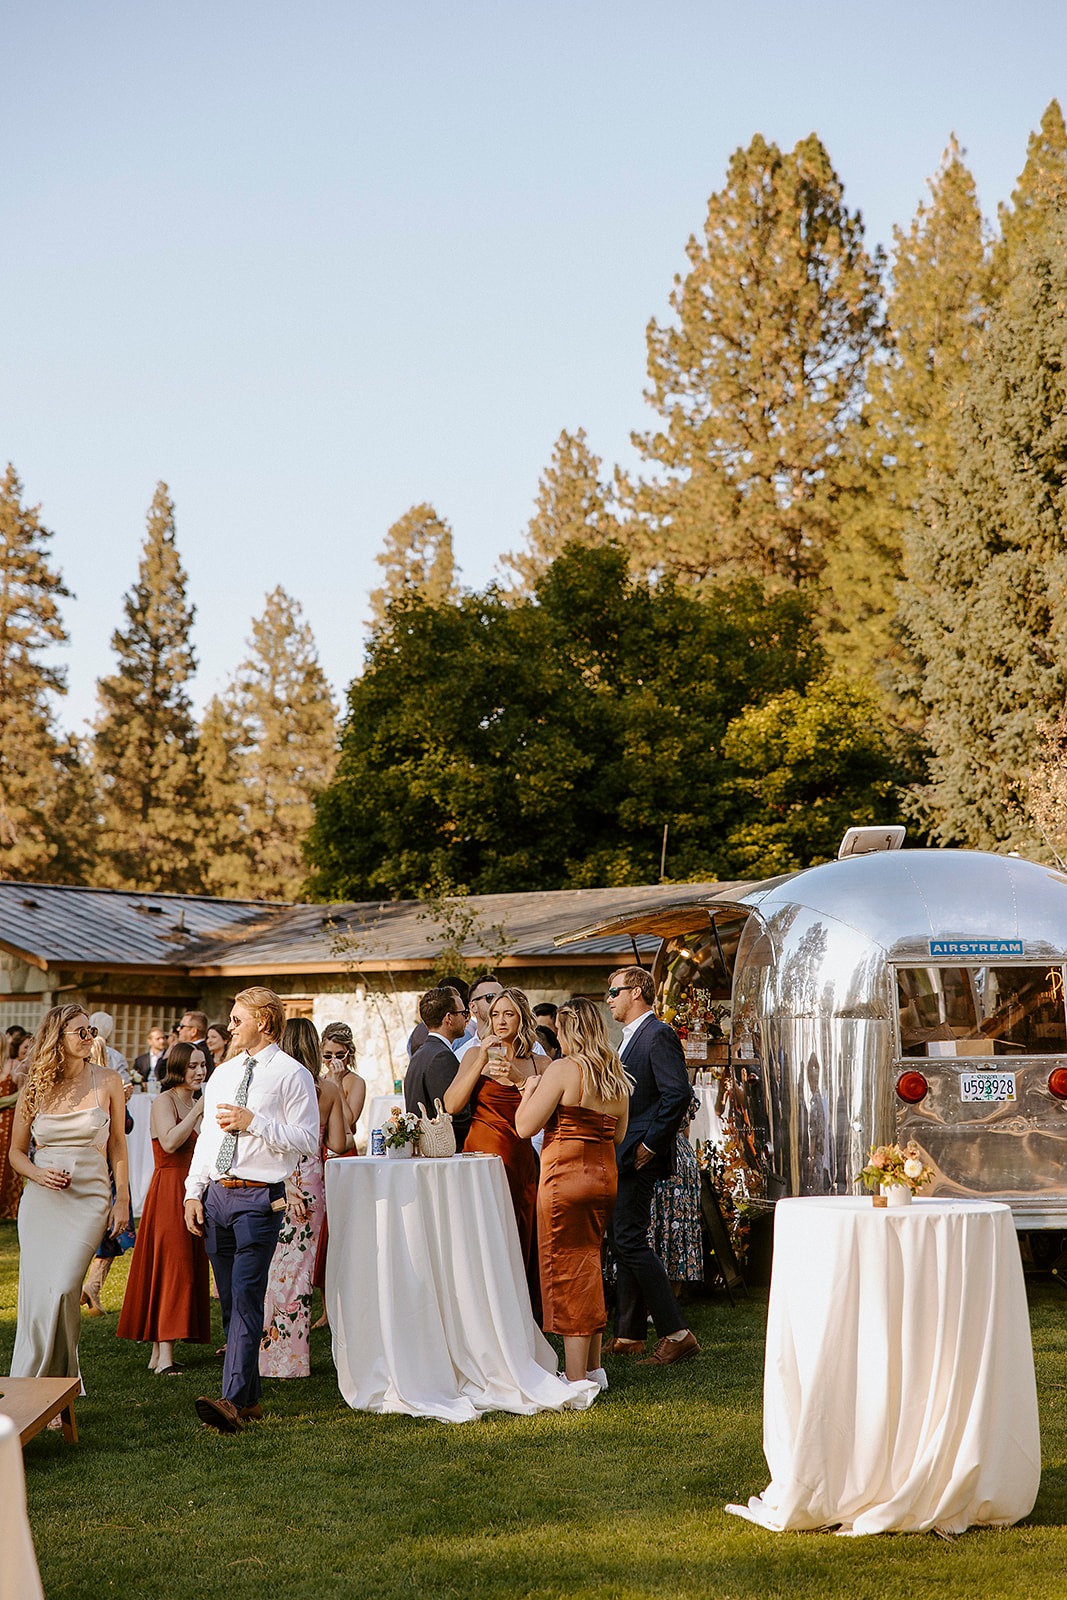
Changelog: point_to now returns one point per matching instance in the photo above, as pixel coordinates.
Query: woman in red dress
(167, 1292)
(582, 1101)
(489, 1078)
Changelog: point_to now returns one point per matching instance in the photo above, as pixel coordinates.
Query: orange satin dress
(492, 1131)
(167, 1290)
(10, 1180)
(579, 1180)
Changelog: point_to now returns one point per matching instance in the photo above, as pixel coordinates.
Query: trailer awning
(683, 915)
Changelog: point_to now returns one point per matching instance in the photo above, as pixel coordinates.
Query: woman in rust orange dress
(582, 1101)
(10, 1181)
(489, 1078)
(167, 1294)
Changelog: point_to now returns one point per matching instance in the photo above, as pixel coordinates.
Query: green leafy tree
(46, 819)
(416, 560)
(284, 715)
(987, 570)
(144, 746)
(937, 312)
(807, 766)
(761, 375)
(573, 506)
(1037, 199)
(544, 743)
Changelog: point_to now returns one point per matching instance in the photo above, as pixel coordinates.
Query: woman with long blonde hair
(489, 1079)
(582, 1101)
(75, 1113)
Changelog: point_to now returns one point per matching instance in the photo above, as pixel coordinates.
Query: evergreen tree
(937, 311)
(45, 800)
(144, 748)
(287, 720)
(761, 375)
(573, 506)
(417, 559)
(225, 861)
(984, 605)
(1038, 197)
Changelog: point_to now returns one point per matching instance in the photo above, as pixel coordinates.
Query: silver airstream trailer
(892, 995)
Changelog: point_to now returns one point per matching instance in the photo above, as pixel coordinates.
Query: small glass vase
(897, 1194)
(399, 1152)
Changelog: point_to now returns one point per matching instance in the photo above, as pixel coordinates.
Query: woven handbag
(436, 1134)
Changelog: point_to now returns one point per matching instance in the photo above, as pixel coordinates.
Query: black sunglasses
(626, 988)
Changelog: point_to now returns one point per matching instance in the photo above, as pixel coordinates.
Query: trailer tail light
(1057, 1083)
(913, 1087)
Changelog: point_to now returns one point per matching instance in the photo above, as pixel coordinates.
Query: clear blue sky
(313, 262)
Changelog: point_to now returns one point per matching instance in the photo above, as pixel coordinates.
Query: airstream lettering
(900, 994)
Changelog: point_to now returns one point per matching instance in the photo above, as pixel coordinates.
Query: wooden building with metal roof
(146, 958)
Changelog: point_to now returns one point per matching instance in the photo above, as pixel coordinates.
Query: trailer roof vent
(866, 841)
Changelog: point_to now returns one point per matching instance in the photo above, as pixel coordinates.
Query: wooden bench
(31, 1403)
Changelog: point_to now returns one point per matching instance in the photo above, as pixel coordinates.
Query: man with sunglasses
(433, 1066)
(482, 994)
(653, 1056)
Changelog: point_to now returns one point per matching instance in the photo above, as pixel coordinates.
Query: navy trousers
(240, 1232)
(643, 1288)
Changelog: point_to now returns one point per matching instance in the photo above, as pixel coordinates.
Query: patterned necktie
(228, 1146)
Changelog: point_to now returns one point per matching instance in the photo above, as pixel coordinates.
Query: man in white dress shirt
(482, 994)
(260, 1115)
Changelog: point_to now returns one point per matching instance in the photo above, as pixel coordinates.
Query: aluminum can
(377, 1142)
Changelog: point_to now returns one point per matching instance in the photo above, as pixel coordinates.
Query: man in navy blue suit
(652, 1055)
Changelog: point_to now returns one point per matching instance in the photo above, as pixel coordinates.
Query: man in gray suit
(433, 1065)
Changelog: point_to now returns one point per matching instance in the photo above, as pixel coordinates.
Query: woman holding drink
(489, 1078)
(76, 1114)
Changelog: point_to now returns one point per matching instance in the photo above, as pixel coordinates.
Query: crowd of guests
(247, 1111)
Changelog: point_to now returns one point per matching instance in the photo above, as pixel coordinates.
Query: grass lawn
(624, 1500)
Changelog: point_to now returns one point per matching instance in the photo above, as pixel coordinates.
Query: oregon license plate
(987, 1088)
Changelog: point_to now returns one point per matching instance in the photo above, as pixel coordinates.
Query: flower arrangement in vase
(900, 1174)
(400, 1134)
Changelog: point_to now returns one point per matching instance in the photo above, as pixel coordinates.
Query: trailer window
(968, 1011)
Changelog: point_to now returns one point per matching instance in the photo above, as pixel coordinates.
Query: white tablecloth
(427, 1296)
(19, 1578)
(139, 1145)
(899, 1379)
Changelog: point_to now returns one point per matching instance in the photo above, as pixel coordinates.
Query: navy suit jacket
(430, 1071)
(655, 1060)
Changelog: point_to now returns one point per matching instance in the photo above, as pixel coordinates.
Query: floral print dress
(286, 1349)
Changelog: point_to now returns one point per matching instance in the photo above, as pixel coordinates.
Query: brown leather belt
(242, 1183)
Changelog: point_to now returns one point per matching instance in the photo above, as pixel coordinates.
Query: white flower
(913, 1167)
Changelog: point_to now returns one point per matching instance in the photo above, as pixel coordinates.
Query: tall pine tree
(937, 311)
(416, 560)
(573, 506)
(225, 859)
(1038, 197)
(985, 605)
(282, 713)
(760, 376)
(144, 748)
(45, 801)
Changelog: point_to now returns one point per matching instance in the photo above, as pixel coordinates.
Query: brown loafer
(626, 1347)
(222, 1415)
(668, 1351)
